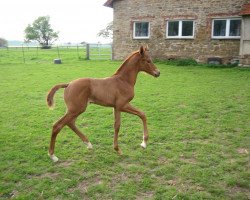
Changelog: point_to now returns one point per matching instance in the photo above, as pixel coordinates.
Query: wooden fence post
(87, 51)
(23, 54)
(77, 49)
(58, 53)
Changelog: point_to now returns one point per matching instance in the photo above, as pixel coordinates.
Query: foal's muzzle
(157, 73)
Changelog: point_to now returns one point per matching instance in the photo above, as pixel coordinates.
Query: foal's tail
(50, 101)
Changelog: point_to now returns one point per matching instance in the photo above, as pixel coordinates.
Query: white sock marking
(53, 158)
(89, 145)
(143, 144)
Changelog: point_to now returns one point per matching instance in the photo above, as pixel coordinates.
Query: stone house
(201, 29)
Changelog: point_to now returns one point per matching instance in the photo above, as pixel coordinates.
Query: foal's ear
(142, 50)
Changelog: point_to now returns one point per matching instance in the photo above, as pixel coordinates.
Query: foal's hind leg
(57, 127)
(73, 127)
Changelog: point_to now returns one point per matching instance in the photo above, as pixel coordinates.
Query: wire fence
(27, 54)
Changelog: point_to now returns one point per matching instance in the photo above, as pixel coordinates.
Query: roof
(245, 9)
(109, 3)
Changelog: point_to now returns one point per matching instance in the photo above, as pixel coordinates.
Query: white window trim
(141, 37)
(179, 36)
(227, 29)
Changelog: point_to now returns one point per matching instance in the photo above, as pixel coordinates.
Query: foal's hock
(115, 91)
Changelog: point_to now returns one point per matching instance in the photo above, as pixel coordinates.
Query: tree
(41, 31)
(107, 32)
(3, 42)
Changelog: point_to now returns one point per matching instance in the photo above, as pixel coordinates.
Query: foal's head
(146, 64)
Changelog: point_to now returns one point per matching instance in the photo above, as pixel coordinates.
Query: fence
(26, 54)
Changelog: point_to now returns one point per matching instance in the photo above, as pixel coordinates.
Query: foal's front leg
(117, 123)
(132, 110)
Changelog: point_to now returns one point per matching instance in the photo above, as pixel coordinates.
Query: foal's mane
(125, 62)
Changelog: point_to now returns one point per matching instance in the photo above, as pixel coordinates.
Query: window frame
(180, 25)
(228, 22)
(141, 37)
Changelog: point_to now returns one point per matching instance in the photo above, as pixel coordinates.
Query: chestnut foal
(115, 91)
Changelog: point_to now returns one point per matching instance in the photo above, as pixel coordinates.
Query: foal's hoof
(89, 145)
(143, 145)
(53, 158)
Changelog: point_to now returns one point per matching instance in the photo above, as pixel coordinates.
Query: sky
(76, 20)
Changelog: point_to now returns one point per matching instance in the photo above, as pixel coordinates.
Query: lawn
(199, 126)
(31, 55)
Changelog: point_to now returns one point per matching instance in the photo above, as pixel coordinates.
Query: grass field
(31, 55)
(198, 120)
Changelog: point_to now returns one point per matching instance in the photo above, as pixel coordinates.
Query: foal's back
(101, 91)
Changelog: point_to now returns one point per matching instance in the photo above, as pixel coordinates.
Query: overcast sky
(76, 20)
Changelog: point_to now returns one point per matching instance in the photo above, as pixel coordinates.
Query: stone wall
(245, 60)
(157, 12)
(245, 41)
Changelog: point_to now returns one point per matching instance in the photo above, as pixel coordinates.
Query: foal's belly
(102, 101)
(102, 93)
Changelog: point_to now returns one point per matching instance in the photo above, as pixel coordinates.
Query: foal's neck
(129, 70)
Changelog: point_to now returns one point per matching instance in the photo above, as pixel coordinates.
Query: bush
(186, 62)
(192, 62)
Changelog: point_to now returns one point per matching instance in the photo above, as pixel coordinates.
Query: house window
(180, 29)
(226, 28)
(141, 30)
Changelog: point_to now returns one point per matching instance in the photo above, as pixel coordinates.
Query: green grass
(198, 120)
